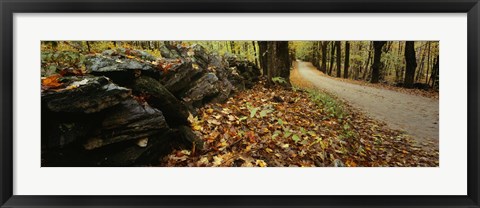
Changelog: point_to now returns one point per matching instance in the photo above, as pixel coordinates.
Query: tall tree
(332, 55)
(411, 64)
(324, 57)
(347, 60)
(278, 62)
(428, 62)
(255, 53)
(339, 58)
(262, 56)
(398, 68)
(435, 73)
(377, 63)
(232, 47)
(367, 64)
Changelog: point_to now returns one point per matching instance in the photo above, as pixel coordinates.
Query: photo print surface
(240, 103)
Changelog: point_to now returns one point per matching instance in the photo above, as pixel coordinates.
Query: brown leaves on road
(291, 128)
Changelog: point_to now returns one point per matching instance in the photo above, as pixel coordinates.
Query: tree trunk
(339, 58)
(377, 57)
(421, 67)
(365, 72)
(255, 53)
(262, 49)
(88, 46)
(347, 60)
(278, 62)
(314, 54)
(398, 72)
(232, 47)
(324, 57)
(411, 64)
(428, 63)
(332, 57)
(435, 72)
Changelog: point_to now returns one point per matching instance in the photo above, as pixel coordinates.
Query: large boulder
(127, 121)
(175, 112)
(121, 69)
(139, 152)
(245, 69)
(195, 53)
(84, 94)
(202, 90)
(179, 78)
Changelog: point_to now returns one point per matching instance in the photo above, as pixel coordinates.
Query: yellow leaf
(217, 161)
(261, 163)
(268, 150)
(197, 127)
(190, 118)
(195, 66)
(213, 121)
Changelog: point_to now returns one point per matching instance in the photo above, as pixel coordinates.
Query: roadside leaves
(264, 127)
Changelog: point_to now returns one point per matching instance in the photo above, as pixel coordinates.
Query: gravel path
(416, 115)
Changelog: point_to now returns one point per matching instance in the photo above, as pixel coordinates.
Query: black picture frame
(9, 7)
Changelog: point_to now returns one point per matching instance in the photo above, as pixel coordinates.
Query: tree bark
(347, 60)
(339, 58)
(411, 64)
(255, 53)
(278, 62)
(428, 63)
(398, 71)
(262, 48)
(232, 47)
(324, 57)
(365, 72)
(435, 72)
(377, 57)
(88, 46)
(332, 56)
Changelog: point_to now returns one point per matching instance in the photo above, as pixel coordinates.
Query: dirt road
(416, 115)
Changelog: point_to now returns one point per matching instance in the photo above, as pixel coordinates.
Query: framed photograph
(269, 103)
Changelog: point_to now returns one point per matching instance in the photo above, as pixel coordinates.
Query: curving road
(416, 115)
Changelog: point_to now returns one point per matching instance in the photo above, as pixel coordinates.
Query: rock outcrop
(130, 107)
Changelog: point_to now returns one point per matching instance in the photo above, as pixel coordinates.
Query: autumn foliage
(267, 127)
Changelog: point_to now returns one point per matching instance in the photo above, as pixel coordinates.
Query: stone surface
(127, 121)
(85, 94)
(175, 112)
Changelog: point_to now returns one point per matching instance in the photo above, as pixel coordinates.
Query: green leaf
(303, 130)
(287, 134)
(295, 138)
(242, 118)
(280, 121)
(253, 112)
(279, 80)
(263, 113)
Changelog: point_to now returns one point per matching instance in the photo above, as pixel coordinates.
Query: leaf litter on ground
(276, 127)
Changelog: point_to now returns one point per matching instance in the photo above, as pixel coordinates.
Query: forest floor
(299, 127)
(417, 115)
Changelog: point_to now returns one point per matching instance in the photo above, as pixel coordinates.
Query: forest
(240, 103)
